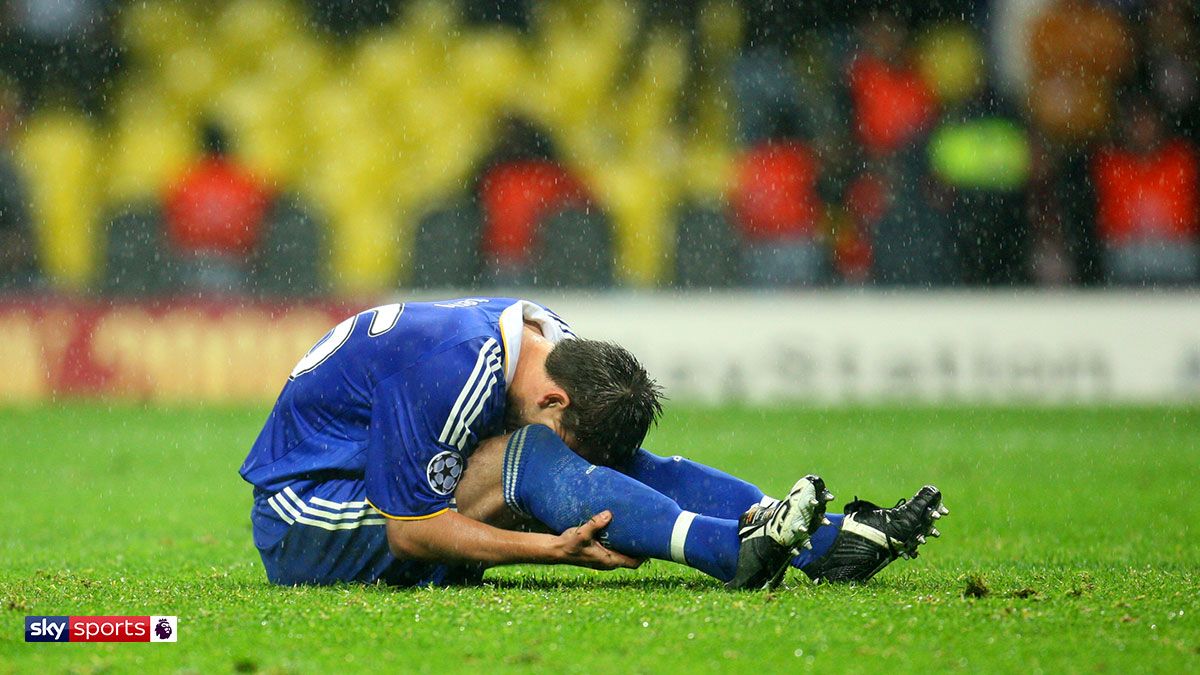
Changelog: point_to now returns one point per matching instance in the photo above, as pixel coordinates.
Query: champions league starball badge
(443, 472)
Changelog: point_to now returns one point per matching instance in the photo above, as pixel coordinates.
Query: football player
(418, 443)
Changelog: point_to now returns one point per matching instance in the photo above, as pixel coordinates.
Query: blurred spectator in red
(892, 105)
(213, 213)
(866, 200)
(1148, 202)
(778, 211)
(894, 231)
(522, 191)
(516, 197)
(18, 255)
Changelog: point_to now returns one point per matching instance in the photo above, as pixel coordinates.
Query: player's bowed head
(595, 395)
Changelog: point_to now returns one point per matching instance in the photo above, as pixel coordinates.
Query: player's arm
(452, 537)
(414, 464)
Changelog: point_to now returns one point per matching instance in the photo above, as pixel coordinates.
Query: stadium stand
(378, 118)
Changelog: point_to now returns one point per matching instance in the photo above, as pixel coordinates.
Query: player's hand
(580, 546)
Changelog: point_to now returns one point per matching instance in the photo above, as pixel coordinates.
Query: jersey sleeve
(421, 428)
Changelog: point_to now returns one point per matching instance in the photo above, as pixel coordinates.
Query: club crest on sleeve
(444, 470)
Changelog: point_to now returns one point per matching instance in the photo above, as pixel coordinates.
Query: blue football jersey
(398, 396)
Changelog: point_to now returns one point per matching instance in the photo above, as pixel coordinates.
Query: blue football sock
(703, 489)
(693, 486)
(545, 480)
(821, 541)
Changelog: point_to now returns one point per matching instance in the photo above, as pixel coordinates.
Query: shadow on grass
(530, 583)
(638, 583)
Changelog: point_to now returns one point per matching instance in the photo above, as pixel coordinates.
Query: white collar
(512, 324)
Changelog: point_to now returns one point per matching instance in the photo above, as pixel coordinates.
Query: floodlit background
(893, 243)
(296, 148)
(725, 187)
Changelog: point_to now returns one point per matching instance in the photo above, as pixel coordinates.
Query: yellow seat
(258, 117)
(350, 182)
(639, 198)
(246, 30)
(298, 65)
(720, 28)
(191, 75)
(491, 68)
(154, 29)
(950, 60)
(57, 151)
(708, 172)
(151, 143)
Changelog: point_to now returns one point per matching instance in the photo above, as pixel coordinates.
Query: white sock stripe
(849, 524)
(510, 495)
(512, 464)
(506, 472)
(679, 535)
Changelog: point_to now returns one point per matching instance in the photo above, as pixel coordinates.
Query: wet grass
(1070, 547)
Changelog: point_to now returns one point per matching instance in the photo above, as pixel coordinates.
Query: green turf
(1079, 523)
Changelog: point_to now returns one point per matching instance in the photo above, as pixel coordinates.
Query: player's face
(517, 415)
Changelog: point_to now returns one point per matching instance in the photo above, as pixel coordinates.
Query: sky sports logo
(101, 629)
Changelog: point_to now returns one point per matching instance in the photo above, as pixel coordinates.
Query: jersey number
(384, 319)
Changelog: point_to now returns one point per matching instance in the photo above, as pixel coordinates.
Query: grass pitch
(1071, 546)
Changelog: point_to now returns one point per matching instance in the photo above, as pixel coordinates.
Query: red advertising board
(166, 350)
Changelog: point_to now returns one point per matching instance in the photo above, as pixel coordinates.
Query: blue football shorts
(325, 532)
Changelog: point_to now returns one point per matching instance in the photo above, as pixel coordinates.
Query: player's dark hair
(613, 400)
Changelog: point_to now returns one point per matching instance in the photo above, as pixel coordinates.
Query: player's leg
(834, 555)
(543, 479)
(694, 486)
(711, 492)
(872, 537)
(552, 485)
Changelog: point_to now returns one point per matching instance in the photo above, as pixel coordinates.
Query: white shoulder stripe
(483, 389)
(485, 394)
(488, 346)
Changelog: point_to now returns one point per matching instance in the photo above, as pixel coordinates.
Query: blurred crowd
(301, 147)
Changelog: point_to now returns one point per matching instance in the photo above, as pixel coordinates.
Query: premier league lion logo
(163, 629)
(443, 472)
